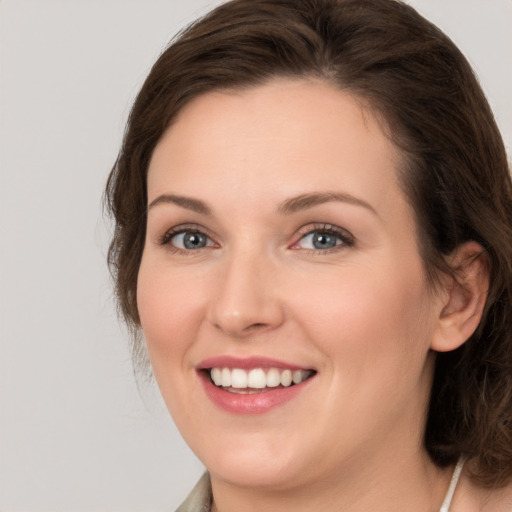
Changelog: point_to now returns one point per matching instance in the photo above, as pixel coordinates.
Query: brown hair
(456, 173)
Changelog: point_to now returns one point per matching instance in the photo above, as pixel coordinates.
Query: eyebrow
(305, 201)
(288, 207)
(185, 202)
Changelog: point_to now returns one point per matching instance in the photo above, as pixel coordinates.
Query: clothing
(200, 499)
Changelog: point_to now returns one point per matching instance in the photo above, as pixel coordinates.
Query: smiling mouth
(256, 380)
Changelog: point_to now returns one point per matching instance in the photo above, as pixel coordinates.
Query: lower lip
(255, 403)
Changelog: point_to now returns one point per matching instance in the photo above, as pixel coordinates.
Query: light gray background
(74, 433)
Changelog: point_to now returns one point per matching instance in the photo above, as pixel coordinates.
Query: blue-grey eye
(325, 240)
(320, 240)
(190, 240)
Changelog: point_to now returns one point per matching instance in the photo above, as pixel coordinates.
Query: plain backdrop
(75, 433)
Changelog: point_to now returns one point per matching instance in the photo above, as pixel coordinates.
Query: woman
(313, 232)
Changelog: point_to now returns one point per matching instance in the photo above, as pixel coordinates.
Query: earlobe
(465, 296)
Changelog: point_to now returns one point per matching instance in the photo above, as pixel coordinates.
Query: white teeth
(226, 377)
(297, 376)
(257, 378)
(286, 378)
(238, 378)
(216, 375)
(273, 378)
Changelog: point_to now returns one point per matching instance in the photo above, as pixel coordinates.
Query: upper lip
(247, 363)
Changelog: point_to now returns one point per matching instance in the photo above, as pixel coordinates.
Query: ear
(463, 295)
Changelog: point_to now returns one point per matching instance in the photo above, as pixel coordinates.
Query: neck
(409, 484)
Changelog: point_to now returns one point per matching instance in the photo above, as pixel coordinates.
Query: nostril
(259, 326)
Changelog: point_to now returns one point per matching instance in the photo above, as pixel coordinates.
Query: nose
(246, 301)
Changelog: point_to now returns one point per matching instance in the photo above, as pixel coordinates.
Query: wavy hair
(455, 172)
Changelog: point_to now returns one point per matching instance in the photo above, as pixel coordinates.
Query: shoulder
(470, 497)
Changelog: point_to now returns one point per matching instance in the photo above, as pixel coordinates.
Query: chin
(252, 461)
(256, 473)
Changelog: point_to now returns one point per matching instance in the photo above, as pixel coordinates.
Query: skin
(361, 314)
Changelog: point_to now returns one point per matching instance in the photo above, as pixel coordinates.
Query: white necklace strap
(445, 507)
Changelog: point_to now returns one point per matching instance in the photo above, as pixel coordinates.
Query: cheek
(369, 317)
(169, 309)
(374, 331)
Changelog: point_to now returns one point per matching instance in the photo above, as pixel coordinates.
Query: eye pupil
(194, 240)
(324, 241)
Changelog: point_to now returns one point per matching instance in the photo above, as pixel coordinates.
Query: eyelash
(347, 240)
(169, 235)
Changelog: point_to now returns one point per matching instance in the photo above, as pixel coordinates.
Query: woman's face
(280, 248)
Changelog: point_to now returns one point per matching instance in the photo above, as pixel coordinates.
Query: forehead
(283, 136)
